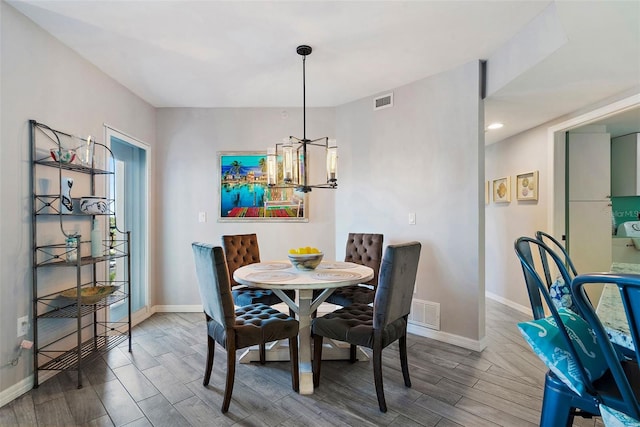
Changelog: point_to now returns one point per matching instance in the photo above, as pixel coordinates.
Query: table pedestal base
(278, 351)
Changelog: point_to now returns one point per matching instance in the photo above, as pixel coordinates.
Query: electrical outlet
(23, 326)
(202, 217)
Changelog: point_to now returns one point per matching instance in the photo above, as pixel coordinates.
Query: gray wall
(522, 153)
(187, 160)
(424, 155)
(43, 80)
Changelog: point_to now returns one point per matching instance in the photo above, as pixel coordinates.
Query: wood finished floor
(160, 384)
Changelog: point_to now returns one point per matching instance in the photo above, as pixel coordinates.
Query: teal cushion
(560, 294)
(613, 418)
(545, 339)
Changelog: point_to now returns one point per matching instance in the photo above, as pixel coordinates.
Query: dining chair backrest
(396, 283)
(213, 283)
(538, 292)
(365, 249)
(551, 241)
(626, 398)
(240, 250)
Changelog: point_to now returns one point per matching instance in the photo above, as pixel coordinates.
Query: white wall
(44, 80)
(187, 161)
(424, 155)
(523, 153)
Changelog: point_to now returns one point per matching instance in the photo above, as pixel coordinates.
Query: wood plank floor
(160, 384)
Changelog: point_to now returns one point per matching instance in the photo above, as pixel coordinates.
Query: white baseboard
(475, 345)
(509, 303)
(16, 390)
(176, 309)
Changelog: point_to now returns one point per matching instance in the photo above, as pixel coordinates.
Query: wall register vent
(383, 101)
(425, 313)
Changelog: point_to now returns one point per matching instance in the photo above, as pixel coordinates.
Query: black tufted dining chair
(378, 326)
(241, 250)
(237, 328)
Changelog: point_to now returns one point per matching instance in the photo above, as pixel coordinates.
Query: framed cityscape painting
(245, 195)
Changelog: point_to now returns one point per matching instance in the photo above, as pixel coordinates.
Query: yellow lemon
(293, 251)
(302, 251)
(315, 251)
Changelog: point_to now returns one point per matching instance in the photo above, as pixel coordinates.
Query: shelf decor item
(527, 186)
(96, 240)
(94, 205)
(502, 190)
(71, 253)
(66, 204)
(89, 294)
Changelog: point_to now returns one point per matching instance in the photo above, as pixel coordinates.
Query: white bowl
(306, 261)
(94, 205)
(63, 155)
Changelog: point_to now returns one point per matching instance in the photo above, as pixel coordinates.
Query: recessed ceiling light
(494, 126)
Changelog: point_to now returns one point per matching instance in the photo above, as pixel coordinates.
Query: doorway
(557, 212)
(130, 191)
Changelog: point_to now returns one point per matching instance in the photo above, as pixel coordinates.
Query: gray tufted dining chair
(237, 328)
(378, 326)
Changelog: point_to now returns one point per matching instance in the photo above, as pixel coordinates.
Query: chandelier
(287, 162)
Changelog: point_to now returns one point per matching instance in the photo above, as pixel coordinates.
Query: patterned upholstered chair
(364, 249)
(241, 250)
(238, 328)
(378, 326)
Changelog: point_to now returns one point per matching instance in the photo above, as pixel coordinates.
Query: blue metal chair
(544, 238)
(560, 404)
(620, 390)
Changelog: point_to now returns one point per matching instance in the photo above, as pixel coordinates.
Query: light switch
(412, 218)
(202, 217)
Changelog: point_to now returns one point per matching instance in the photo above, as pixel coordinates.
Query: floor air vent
(425, 313)
(383, 101)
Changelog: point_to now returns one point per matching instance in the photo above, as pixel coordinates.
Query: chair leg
(352, 353)
(402, 343)
(293, 356)
(556, 405)
(263, 353)
(377, 374)
(317, 358)
(211, 350)
(231, 372)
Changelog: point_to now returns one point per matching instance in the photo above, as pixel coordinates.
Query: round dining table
(280, 276)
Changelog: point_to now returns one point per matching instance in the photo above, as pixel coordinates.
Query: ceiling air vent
(383, 101)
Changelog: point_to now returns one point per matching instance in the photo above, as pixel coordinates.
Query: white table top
(282, 275)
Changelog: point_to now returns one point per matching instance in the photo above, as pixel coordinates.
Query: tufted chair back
(240, 250)
(213, 282)
(365, 249)
(397, 281)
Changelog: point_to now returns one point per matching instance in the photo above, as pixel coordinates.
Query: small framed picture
(527, 186)
(502, 190)
(487, 192)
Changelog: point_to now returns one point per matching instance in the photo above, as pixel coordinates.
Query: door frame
(556, 157)
(109, 131)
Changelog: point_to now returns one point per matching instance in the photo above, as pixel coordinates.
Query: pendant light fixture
(288, 161)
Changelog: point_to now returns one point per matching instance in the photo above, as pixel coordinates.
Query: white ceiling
(242, 53)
